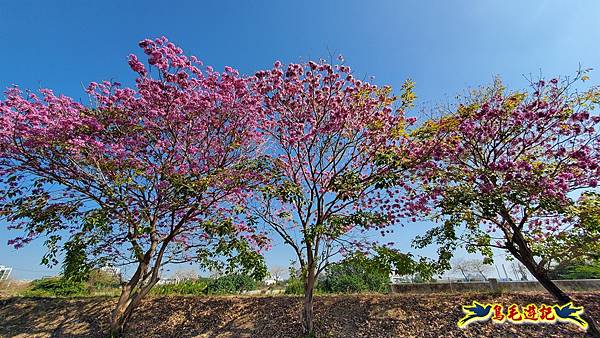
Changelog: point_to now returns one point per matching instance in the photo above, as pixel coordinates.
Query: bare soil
(279, 316)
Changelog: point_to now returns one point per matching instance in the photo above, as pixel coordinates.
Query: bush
(231, 284)
(577, 270)
(355, 274)
(294, 286)
(194, 287)
(56, 287)
(100, 279)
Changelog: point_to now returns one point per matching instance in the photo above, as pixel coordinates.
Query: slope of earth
(279, 316)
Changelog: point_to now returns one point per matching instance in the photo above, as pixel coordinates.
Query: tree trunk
(128, 302)
(560, 296)
(520, 249)
(117, 319)
(142, 281)
(307, 312)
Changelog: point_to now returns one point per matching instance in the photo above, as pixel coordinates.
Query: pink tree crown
(324, 129)
(164, 159)
(512, 162)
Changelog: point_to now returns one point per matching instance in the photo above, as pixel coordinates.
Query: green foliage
(294, 286)
(579, 242)
(195, 287)
(362, 273)
(408, 95)
(280, 187)
(363, 219)
(229, 253)
(400, 263)
(577, 270)
(75, 267)
(357, 273)
(56, 287)
(348, 185)
(100, 279)
(230, 284)
(61, 286)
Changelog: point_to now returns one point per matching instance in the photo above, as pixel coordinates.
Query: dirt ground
(278, 316)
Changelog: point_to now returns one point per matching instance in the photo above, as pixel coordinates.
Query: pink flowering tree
(143, 176)
(324, 128)
(506, 170)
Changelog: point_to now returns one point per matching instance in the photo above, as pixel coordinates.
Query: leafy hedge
(61, 287)
(194, 287)
(577, 270)
(56, 286)
(355, 274)
(294, 286)
(231, 284)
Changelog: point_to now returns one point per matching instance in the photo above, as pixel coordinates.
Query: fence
(493, 285)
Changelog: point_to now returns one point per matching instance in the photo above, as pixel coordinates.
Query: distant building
(4, 272)
(270, 282)
(168, 281)
(396, 279)
(413, 278)
(111, 270)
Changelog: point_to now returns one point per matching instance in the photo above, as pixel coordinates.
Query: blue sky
(445, 46)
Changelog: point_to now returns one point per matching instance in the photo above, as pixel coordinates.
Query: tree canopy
(145, 175)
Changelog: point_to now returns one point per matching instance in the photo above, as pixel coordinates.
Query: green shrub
(190, 287)
(55, 287)
(231, 284)
(577, 270)
(294, 286)
(355, 274)
(100, 279)
(75, 266)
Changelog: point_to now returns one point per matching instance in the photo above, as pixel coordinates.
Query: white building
(111, 270)
(270, 281)
(4, 272)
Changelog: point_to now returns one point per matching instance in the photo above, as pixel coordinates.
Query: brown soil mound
(278, 316)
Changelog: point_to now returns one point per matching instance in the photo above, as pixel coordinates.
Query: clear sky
(445, 46)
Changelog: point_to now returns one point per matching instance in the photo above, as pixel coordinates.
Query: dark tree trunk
(544, 279)
(128, 302)
(307, 311)
(563, 298)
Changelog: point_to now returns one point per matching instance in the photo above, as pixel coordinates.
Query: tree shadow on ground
(278, 316)
(53, 317)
